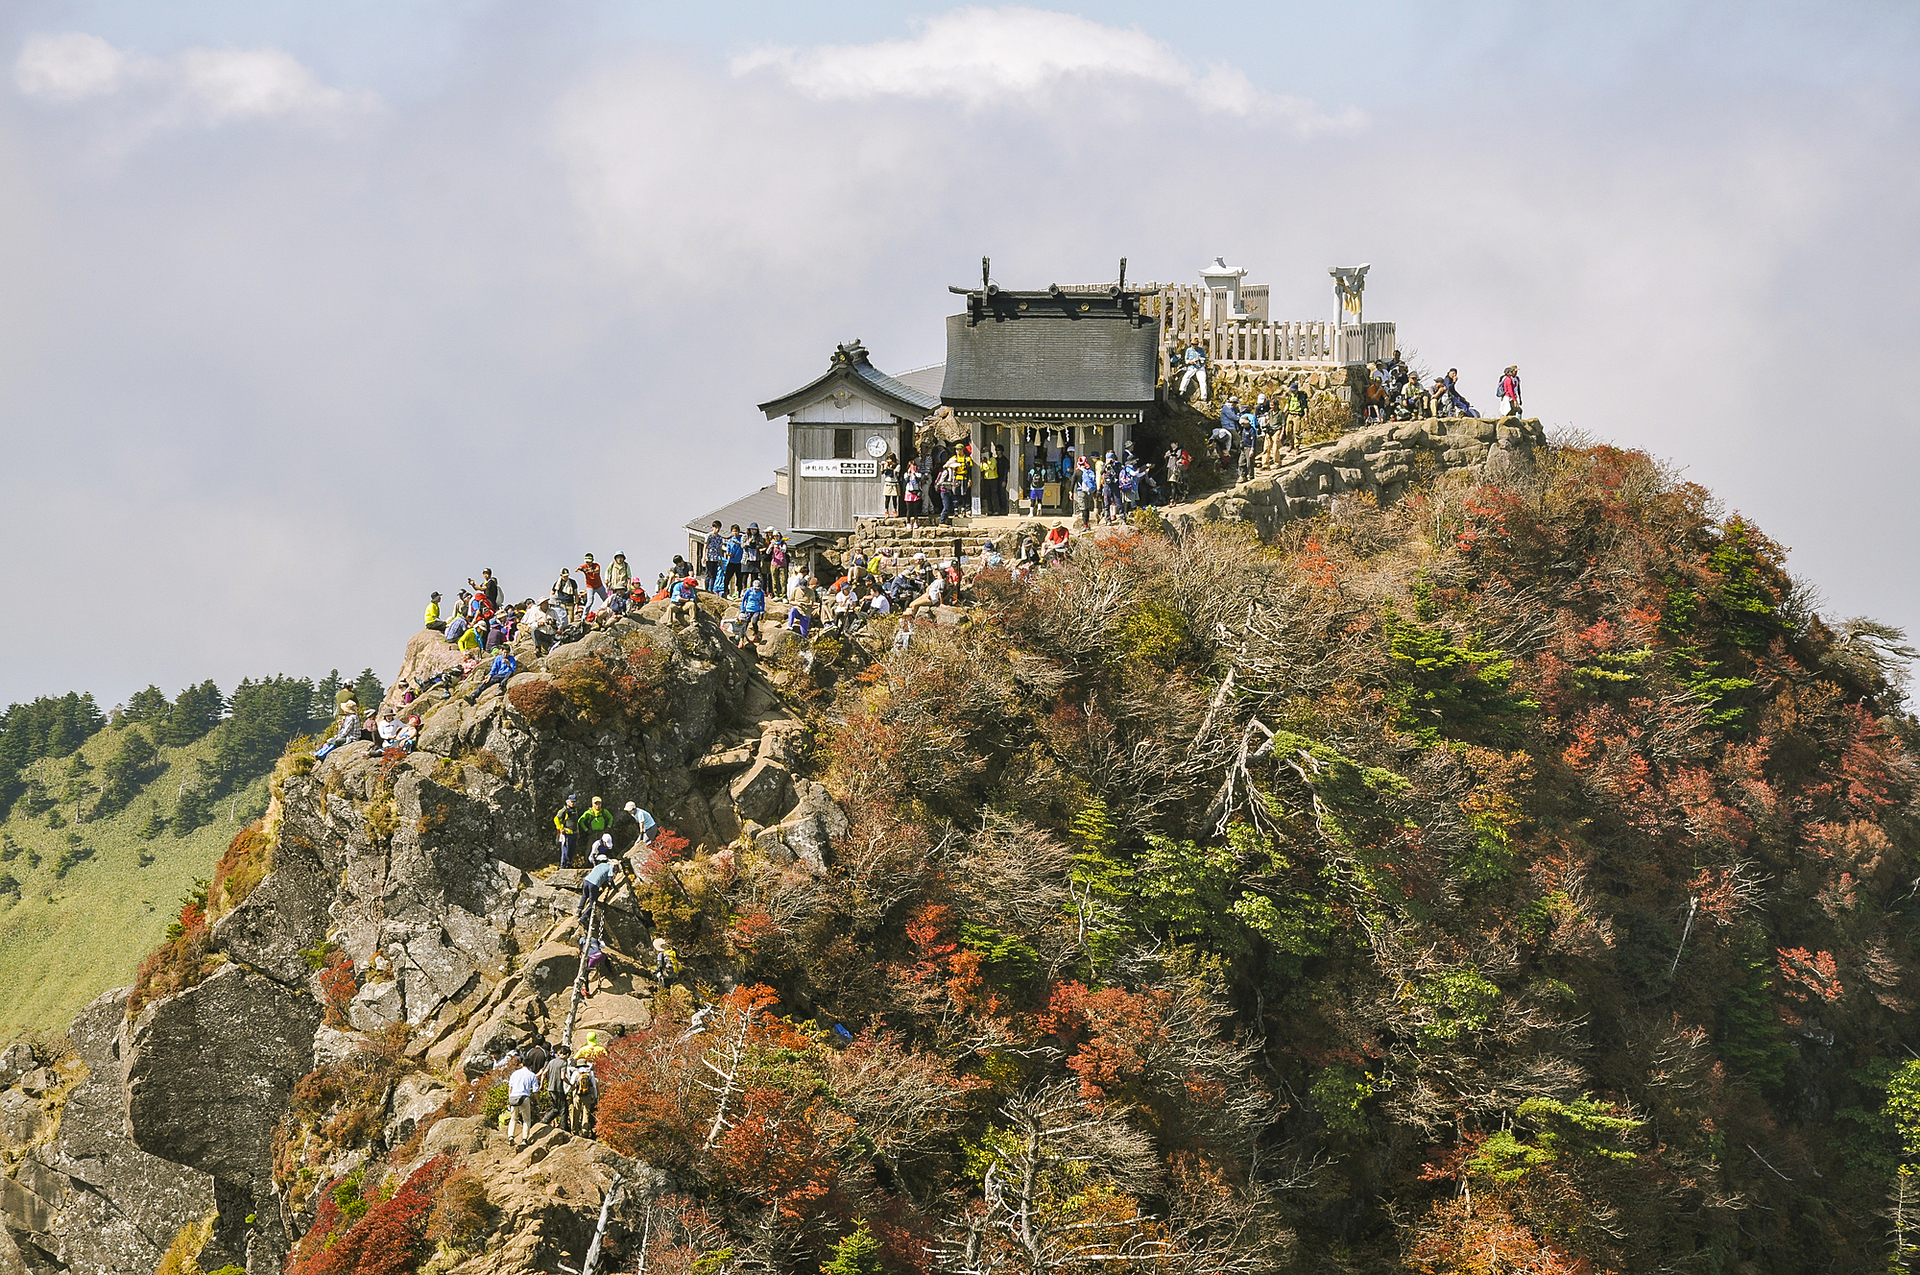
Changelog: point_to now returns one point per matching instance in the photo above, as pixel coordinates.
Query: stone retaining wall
(1379, 459)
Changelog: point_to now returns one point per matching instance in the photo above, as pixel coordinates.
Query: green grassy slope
(67, 940)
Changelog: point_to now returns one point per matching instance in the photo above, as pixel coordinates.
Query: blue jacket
(503, 666)
(598, 877)
(753, 601)
(682, 591)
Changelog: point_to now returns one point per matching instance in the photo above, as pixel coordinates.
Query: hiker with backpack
(553, 1083)
(604, 876)
(666, 964)
(1296, 413)
(1510, 392)
(565, 595)
(583, 1089)
(566, 822)
(648, 826)
(753, 609)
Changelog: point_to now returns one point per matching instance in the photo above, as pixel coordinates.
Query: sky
(309, 309)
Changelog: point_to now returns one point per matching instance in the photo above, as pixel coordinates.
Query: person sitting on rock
(408, 737)
(1457, 403)
(521, 1086)
(433, 620)
(538, 622)
(929, 599)
(619, 576)
(801, 605)
(603, 877)
(458, 624)
(386, 730)
(1193, 367)
(566, 822)
(503, 667)
(348, 732)
(683, 601)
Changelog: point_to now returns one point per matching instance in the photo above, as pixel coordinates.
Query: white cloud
(69, 67)
(197, 86)
(982, 57)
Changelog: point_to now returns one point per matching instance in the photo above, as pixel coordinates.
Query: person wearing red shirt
(593, 595)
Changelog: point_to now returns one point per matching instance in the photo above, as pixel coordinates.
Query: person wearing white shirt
(520, 1089)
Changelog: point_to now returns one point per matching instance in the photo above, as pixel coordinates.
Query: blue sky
(308, 309)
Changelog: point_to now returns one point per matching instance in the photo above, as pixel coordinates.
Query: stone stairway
(875, 534)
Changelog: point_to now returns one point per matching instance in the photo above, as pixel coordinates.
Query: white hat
(630, 806)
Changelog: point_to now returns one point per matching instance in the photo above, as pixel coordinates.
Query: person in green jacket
(567, 823)
(595, 821)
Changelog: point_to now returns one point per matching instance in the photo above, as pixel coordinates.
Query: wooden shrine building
(839, 427)
(1031, 374)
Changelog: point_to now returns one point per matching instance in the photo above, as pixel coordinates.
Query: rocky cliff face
(1382, 461)
(410, 899)
(84, 1196)
(412, 927)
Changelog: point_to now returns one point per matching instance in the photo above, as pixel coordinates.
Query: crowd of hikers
(868, 585)
(1394, 393)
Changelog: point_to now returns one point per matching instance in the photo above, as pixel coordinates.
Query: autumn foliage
(1516, 878)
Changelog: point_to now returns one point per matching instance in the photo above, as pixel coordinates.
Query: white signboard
(839, 469)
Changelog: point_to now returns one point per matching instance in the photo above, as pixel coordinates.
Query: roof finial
(986, 273)
(1123, 274)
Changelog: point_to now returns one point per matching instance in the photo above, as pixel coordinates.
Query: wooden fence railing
(1186, 318)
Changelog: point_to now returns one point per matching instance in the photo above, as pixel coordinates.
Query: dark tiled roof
(1038, 350)
(850, 364)
(768, 507)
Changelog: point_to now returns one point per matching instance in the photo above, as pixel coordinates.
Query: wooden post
(978, 433)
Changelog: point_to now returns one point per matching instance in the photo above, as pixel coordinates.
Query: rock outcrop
(1381, 460)
(411, 899)
(89, 1200)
